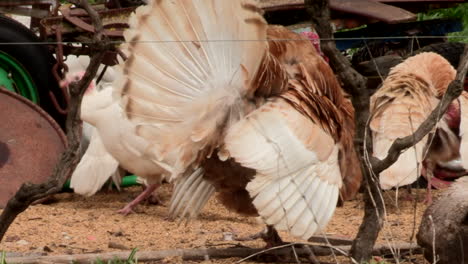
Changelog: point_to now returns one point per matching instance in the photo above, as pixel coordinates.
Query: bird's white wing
(190, 64)
(298, 176)
(94, 169)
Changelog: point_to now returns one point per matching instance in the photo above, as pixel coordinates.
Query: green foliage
(460, 11)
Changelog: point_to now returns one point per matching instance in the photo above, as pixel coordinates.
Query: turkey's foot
(269, 235)
(128, 209)
(154, 199)
(407, 194)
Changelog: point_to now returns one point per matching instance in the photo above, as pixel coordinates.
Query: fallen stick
(335, 241)
(201, 254)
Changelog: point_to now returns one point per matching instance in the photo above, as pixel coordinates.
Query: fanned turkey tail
(192, 64)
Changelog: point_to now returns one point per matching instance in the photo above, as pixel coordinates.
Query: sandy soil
(77, 224)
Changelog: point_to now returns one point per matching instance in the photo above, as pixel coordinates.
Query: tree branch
(356, 85)
(453, 91)
(28, 193)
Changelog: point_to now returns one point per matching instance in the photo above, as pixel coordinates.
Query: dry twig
(200, 254)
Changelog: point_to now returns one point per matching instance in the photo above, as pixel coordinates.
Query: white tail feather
(178, 87)
(190, 195)
(95, 168)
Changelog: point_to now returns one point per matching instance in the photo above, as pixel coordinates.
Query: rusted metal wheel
(30, 144)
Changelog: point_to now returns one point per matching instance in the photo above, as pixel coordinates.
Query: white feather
(118, 135)
(95, 168)
(293, 187)
(190, 195)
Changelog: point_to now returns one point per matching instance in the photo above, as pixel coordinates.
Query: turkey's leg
(428, 173)
(407, 194)
(271, 237)
(128, 209)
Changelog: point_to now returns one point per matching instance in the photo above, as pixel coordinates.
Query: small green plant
(3, 258)
(130, 260)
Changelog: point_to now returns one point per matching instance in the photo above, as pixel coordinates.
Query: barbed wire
(231, 40)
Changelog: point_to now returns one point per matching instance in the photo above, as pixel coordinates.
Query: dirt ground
(75, 225)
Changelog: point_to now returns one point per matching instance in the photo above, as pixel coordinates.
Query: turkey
(407, 97)
(100, 162)
(225, 104)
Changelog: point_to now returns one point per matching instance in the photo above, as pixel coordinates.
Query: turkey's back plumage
(407, 97)
(318, 95)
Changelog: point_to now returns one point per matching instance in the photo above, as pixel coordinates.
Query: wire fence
(232, 40)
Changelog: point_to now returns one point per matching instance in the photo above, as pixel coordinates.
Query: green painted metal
(127, 181)
(15, 78)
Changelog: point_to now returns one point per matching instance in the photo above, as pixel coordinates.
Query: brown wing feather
(230, 178)
(315, 92)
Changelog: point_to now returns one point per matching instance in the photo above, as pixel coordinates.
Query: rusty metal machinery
(31, 143)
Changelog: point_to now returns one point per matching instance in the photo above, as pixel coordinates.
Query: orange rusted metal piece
(30, 144)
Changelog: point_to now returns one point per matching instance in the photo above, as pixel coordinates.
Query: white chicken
(221, 101)
(98, 164)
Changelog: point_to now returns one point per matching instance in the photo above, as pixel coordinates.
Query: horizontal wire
(228, 40)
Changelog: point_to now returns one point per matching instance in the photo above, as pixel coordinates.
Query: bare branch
(28, 192)
(356, 85)
(453, 91)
